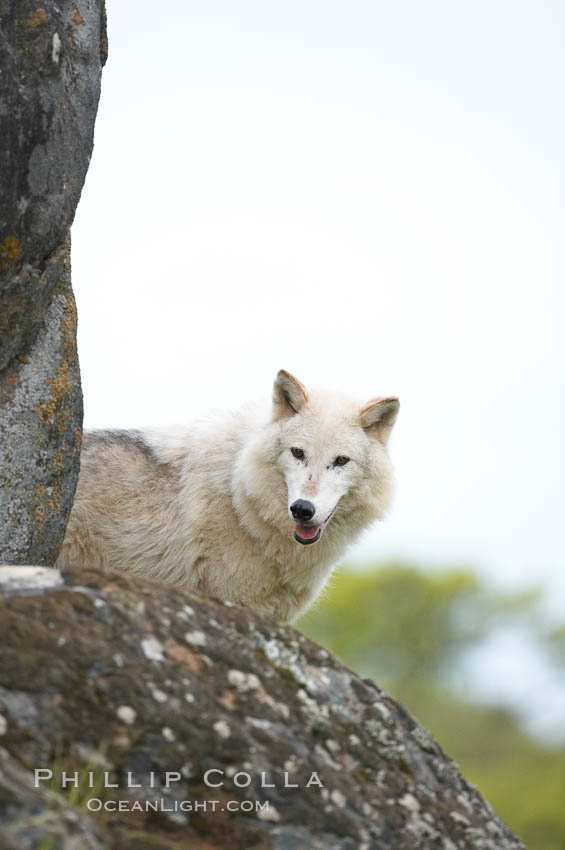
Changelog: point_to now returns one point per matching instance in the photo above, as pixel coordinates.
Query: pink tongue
(307, 532)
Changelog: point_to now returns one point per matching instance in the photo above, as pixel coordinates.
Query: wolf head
(332, 454)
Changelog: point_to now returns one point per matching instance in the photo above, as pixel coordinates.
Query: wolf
(254, 507)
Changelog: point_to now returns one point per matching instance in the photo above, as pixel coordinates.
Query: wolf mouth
(308, 534)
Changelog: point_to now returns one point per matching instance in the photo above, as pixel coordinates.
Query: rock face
(116, 680)
(51, 56)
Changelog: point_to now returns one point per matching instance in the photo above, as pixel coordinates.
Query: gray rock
(111, 674)
(51, 56)
(41, 812)
(32, 579)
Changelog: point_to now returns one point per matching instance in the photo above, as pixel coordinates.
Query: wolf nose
(302, 510)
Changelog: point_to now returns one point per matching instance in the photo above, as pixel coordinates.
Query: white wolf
(248, 508)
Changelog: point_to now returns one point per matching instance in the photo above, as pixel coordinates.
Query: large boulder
(51, 56)
(107, 679)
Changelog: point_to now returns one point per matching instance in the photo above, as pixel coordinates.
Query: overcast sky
(369, 195)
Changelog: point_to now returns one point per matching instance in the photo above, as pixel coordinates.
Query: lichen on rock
(51, 58)
(254, 715)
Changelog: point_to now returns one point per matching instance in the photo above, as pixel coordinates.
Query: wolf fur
(209, 505)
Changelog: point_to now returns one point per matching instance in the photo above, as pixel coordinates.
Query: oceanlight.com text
(95, 804)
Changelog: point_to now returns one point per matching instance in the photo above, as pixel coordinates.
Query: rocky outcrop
(51, 56)
(190, 708)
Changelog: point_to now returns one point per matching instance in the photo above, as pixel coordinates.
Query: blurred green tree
(409, 631)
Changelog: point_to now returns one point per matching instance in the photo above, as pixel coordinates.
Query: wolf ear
(379, 415)
(288, 395)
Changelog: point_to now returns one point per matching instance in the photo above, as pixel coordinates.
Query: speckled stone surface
(111, 673)
(51, 56)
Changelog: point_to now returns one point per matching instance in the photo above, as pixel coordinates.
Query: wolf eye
(341, 460)
(297, 453)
